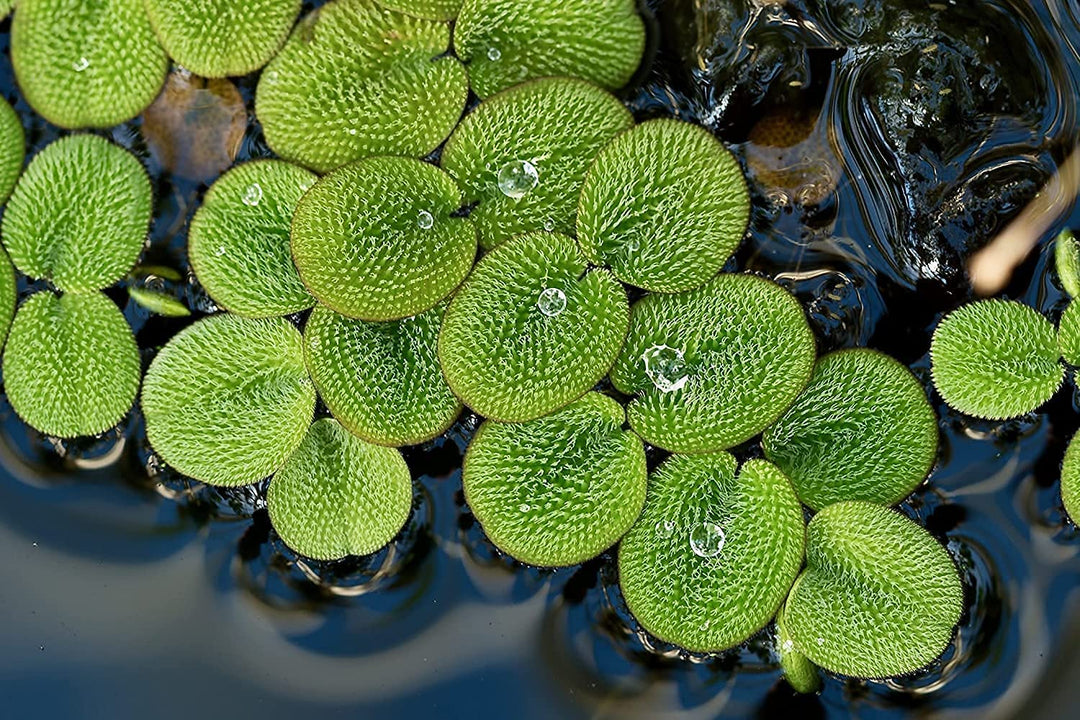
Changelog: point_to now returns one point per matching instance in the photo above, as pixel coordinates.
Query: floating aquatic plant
(215, 38)
(381, 239)
(381, 380)
(1067, 262)
(228, 399)
(532, 329)
(995, 359)
(239, 239)
(713, 367)
(558, 490)
(93, 237)
(86, 63)
(522, 154)
(356, 80)
(426, 9)
(714, 553)
(71, 366)
(506, 42)
(158, 302)
(664, 206)
(861, 430)
(1070, 479)
(1068, 334)
(12, 149)
(801, 674)
(879, 596)
(8, 295)
(338, 495)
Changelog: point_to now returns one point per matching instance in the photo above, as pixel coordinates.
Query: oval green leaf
(8, 295)
(380, 239)
(1067, 262)
(801, 674)
(879, 597)
(79, 215)
(559, 490)
(713, 367)
(713, 555)
(522, 154)
(12, 149)
(71, 365)
(228, 399)
(239, 239)
(356, 80)
(664, 206)
(1068, 334)
(159, 303)
(506, 42)
(995, 359)
(382, 381)
(216, 38)
(86, 63)
(426, 9)
(1070, 480)
(338, 495)
(861, 430)
(532, 329)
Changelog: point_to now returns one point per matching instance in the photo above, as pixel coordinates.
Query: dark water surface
(888, 141)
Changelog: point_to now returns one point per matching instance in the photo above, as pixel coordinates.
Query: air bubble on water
(81, 64)
(425, 220)
(253, 195)
(552, 302)
(707, 539)
(494, 54)
(517, 178)
(665, 528)
(665, 367)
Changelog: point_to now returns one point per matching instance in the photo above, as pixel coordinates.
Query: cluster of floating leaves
(347, 270)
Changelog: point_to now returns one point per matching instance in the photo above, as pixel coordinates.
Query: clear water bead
(81, 64)
(253, 195)
(665, 528)
(707, 539)
(549, 225)
(493, 54)
(425, 220)
(517, 178)
(552, 302)
(523, 507)
(665, 367)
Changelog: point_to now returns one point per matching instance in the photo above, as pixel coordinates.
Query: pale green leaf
(1067, 262)
(1068, 334)
(801, 674)
(158, 302)
(12, 149)
(428, 9)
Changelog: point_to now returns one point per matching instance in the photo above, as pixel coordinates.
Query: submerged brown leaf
(790, 154)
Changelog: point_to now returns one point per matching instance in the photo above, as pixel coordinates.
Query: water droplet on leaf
(494, 54)
(425, 220)
(253, 195)
(665, 367)
(665, 528)
(517, 178)
(81, 64)
(707, 539)
(552, 302)
(523, 507)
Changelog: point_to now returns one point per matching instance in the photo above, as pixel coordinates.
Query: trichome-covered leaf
(239, 239)
(12, 149)
(664, 206)
(715, 366)
(995, 359)
(801, 674)
(8, 295)
(861, 430)
(522, 154)
(381, 380)
(158, 302)
(216, 38)
(79, 215)
(1067, 262)
(228, 399)
(338, 495)
(713, 554)
(356, 80)
(1068, 334)
(532, 329)
(1070, 479)
(381, 239)
(71, 365)
(558, 490)
(879, 596)
(505, 42)
(427, 9)
(86, 63)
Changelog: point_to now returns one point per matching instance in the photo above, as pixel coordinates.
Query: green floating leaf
(381, 380)
(664, 206)
(800, 673)
(523, 154)
(80, 213)
(995, 359)
(426, 9)
(879, 596)
(12, 149)
(713, 367)
(1070, 480)
(239, 239)
(157, 302)
(86, 63)
(506, 42)
(558, 490)
(8, 295)
(532, 329)
(228, 400)
(162, 271)
(380, 239)
(216, 38)
(713, 555)
(1068, 334)
(861, 430)
(6, 7)
(338, 495)
(356, 80)
(71, 365)
(1067, 262)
